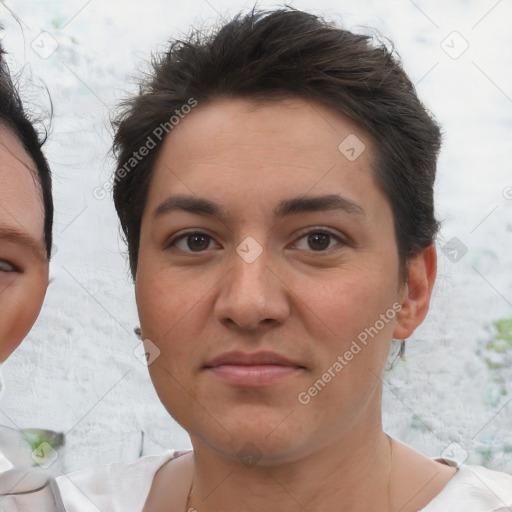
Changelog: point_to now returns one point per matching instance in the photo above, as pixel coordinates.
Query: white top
(125, 488)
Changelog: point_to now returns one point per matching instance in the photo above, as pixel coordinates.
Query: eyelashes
(186, 236)
(323, 236)
(314, 235)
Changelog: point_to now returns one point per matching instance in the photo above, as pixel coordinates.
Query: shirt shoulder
(115, 487)
(5, 464)
(474, 489)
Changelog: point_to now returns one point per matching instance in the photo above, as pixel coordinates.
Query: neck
(336, 477)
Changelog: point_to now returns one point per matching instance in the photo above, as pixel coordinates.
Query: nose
(252, 295)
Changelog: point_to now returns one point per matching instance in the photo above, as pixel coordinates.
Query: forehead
(257, 150)
(21, 206)
(277, 123)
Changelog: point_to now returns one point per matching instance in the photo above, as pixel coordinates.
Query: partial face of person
(23, 261)
(268, 277)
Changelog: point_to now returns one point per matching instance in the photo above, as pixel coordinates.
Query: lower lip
(255, 375)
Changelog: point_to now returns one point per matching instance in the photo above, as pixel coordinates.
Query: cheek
(157, 300)
(348, 302)
(357, 321)
(167, 308)
(20, 305)
(165, 303)
(6, 281)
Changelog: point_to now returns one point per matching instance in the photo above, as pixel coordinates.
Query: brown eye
(198, 241)
(190, 242)
(319, 241)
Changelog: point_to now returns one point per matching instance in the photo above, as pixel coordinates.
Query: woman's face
(246, 312)
(23, 260)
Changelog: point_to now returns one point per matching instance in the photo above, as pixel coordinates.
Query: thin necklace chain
(192, 509)
(188, 498)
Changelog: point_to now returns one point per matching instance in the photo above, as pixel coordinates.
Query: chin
(261, 437)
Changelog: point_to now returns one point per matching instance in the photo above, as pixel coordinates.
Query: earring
(138, 332)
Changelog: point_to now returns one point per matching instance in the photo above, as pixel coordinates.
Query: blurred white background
(76, 372)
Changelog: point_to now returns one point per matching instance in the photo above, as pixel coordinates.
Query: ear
(416, 293)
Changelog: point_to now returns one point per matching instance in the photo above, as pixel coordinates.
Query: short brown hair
(287, 52)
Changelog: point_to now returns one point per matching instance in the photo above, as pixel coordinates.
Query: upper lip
(244, 359)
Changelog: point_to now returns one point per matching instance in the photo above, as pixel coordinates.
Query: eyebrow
(294, 206)
(22, 238)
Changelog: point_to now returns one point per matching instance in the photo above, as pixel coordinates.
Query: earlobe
(417, 292)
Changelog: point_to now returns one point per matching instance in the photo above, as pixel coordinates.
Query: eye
(191, 242)
(5, 266)
(319, 240)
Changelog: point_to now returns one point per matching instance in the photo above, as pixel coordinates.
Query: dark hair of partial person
(14, 118)
(265, 55)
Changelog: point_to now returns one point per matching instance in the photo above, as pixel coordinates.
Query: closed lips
(238, 358)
